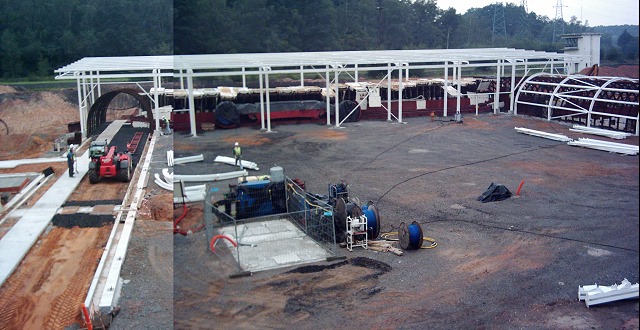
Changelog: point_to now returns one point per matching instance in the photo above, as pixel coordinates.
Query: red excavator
(110, 165)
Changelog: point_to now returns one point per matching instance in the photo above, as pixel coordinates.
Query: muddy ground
(515, 263)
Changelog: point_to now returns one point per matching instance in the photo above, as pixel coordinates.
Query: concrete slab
(279, 243)
(17, 242)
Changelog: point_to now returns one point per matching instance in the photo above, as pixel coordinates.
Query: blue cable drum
(410, 236)
(373, 220)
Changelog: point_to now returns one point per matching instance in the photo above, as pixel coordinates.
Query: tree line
(37, 37)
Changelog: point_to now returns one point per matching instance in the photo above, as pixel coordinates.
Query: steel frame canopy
(88, 72)
(91, 73)
(578, 95)
(327, 64)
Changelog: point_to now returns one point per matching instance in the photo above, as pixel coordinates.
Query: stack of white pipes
(620, 148)
(601, 132)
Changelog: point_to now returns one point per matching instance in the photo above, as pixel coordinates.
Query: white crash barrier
(602, 132)
(598, 294)
(232, 161)
(551, 136)
(189, 159)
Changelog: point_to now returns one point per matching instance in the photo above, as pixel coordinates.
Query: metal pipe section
(446, 83)
(156, 108)
(336, 98)
(260, 78)
(496, 95)
(327, 98)
(389, 92)
(266, 77)
(192, 105)
(400, 92)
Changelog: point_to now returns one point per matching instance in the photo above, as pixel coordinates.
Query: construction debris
(598, 131)
(595, 294)
(384, 246)
(551, 136)
(620, 148)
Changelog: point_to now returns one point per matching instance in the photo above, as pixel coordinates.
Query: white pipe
(163, 184)
(188, 159)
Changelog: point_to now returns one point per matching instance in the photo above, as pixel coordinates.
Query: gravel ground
(146, 300)
(516, 263)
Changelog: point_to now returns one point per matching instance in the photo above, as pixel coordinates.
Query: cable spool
(410, 236)
(373, 220)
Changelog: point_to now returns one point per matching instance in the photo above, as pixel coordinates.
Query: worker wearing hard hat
(71, 157)
(167, 128)
(237, 153)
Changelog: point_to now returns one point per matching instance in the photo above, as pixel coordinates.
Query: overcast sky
(595, 12)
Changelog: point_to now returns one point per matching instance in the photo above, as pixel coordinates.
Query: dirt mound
(157, 207)
(34, 120)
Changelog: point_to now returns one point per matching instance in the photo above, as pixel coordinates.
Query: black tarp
(495, 192)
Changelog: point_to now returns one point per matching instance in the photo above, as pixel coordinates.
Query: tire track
(65, 309)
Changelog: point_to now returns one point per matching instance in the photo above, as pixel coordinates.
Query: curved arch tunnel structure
(98, 113)
(586, 99)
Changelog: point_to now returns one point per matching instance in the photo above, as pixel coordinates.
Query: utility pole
(558, 20)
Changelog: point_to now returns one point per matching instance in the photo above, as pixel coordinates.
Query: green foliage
(37, 37)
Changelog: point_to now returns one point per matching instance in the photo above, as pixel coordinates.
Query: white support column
(459, 88)
(389, 92)
(302, 76)
(266, 78)
(513, 86)
(400, 92)
(496, 95)
(406, 73)
(260, 78)
(551, 67)
(192, 106)
(99, 86)
(156, 108)
(336, 100)
(93, 94)
(244, 79)
(85, 96)
(181, 80)
(445, 97)
(327, 98)
(356, 73)
(83, 122)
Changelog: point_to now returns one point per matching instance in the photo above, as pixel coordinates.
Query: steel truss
(613, 100)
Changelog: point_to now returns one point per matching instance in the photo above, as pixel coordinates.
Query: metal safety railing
(268, 225)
